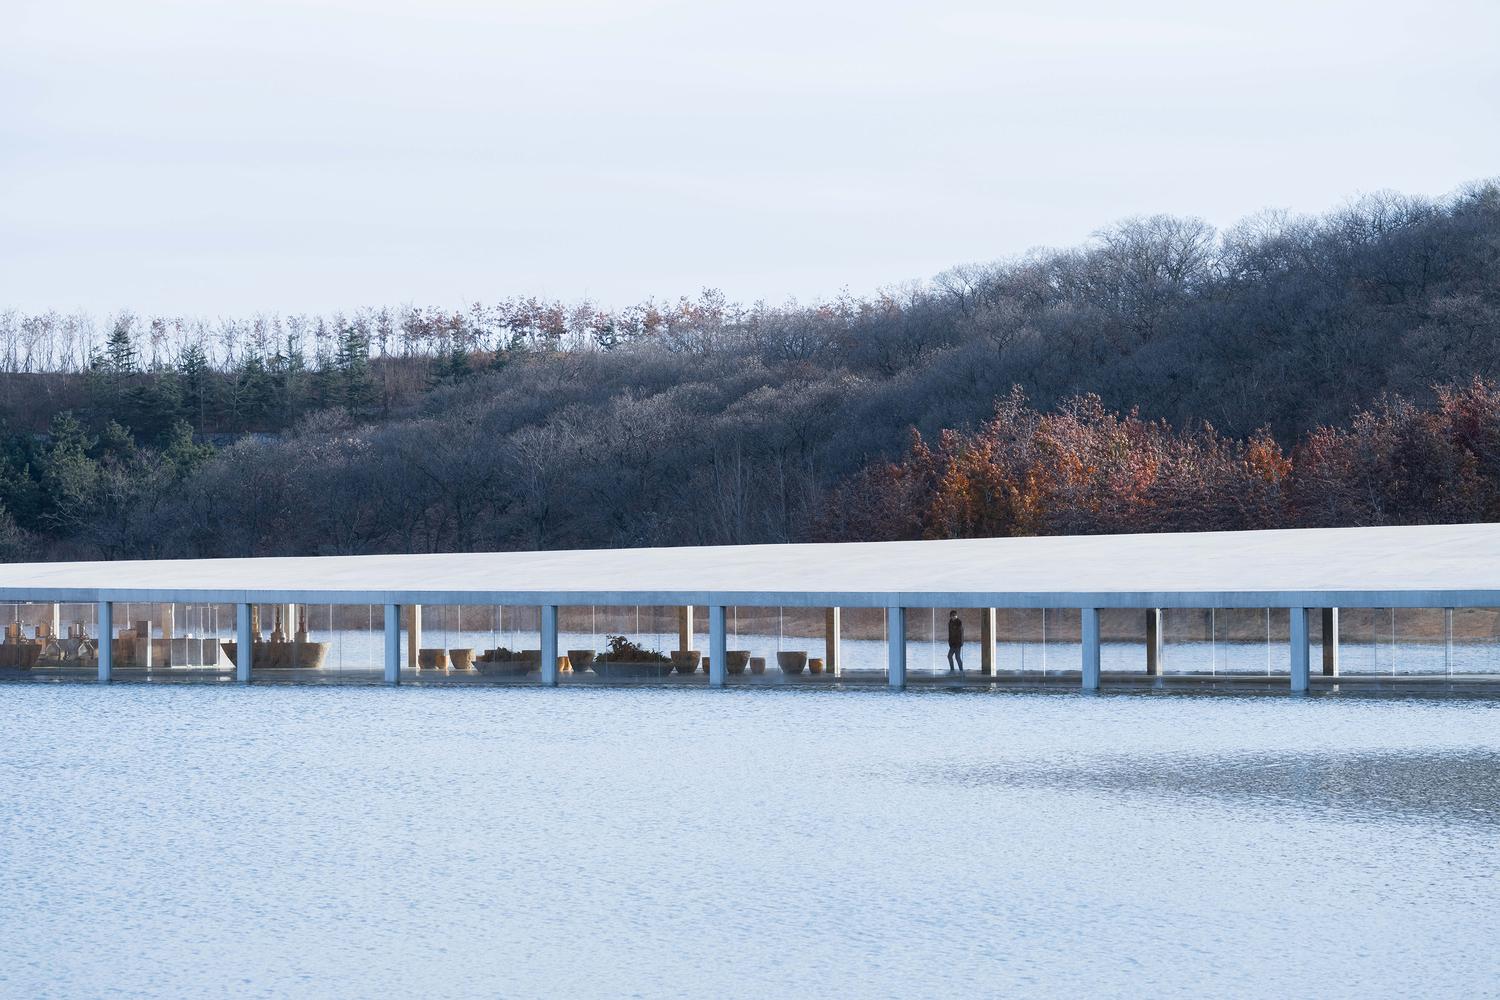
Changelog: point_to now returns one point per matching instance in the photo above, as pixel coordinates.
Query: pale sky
(218, 157)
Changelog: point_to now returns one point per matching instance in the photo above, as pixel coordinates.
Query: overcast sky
(227, 157)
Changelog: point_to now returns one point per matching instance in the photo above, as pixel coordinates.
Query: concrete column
(685, 628)
(1089, 623)
(987, 641)
(718, 647)
(1155, 642)
(56, 621)
(393, 644)
(106, 639)
(1448, 640)
(1300, 650)
(1330, 642)
(244, 644)
(413, 635)
(895, 645)
(833, 625)
(549, 645)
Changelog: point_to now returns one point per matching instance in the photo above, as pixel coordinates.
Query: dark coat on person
(955, 632)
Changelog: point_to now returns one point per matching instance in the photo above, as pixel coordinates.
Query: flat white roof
(1422, 566)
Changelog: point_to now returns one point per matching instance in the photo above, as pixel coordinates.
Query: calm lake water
(354, 842)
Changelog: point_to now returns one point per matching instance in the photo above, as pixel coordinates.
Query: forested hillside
(1164, 376)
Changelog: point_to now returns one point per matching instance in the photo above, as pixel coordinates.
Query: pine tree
(69, 476)
(197, 385)
(182, 452)
(252, 392)
(119, 352)
(452, 368)
(154, 404)
(357, 388)
(293, 381)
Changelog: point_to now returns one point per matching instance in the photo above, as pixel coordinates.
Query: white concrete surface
(1426, 566)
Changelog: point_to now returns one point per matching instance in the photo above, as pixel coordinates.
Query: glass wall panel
(1475, 649)
(1421, 647)
(47, 641)
(862, 645)
(1188, 641)
(1366, 641)
(927, 644)
(471, 644)
(630, 644)
(1019, 641)
(1122, 641)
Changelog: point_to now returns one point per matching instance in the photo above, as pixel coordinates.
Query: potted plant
(628, 659)
(502, 662)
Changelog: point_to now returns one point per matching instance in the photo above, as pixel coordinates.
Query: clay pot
(686, 660)
(462, 659)
(791, 661)
(432, 659)
(757, 664)
(815, 666)
(736, 660)
(581, 659)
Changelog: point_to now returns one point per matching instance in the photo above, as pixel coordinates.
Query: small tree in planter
(628, 659)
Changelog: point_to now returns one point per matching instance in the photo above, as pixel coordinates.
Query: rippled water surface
(271, 841)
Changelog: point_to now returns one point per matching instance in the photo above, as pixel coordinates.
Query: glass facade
(476, 644)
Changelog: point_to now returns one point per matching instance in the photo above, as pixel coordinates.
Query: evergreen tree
(70, 476)
(452, 368)
(153, 404)
(182, 453)
(322, 385)
(357, 388)
(120, 353)
(252, 396)
(293, 381)
(197, 385)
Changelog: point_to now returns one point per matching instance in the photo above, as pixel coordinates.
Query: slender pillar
(895, 645)
(549, 645)
(685, 628)
(987, 641)
(413, 635)
(1447, 640)
(718, 647)
(244, 644)
(1154, 642)
(168, 616)
(832, 626)
(1330, 642)
(393, 644)
(1089, 623)
(56, 622)
(106, 639)
(1300, 651)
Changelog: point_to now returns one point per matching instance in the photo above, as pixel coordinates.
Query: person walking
(955, 642)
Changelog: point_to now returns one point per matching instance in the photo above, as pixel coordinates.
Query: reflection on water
(1416, 786)
(187, 841)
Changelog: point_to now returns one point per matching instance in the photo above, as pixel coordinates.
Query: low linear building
(1115, 592)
